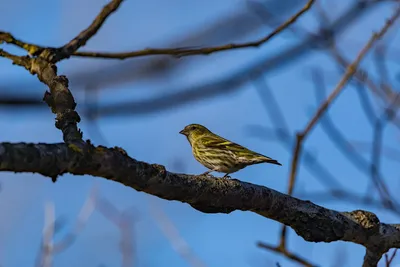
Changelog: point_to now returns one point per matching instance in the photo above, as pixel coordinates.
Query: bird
(219, 154)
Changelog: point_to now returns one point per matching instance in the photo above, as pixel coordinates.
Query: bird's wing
(222, 143)
(242, 154)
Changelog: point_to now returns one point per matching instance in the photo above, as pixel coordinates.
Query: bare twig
(284, 135)
(286, 253)
(351, 69)
(60, 98)
(172, 234)
(366, 104)
(311, 162)
(20, 61)
(349, 197)
(388, 260)
(232, 82)
(387, 151)
(377, 148)
(48, 247)
(81, 39)
(124, 221)
(180, 52)
(347, 150)
(10, 39)
(46, 255)
(227, 84)
(270, 18)
(83, 217)
(380, 54)
(385, 93)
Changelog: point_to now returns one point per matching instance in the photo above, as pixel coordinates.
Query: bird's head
(193, 131)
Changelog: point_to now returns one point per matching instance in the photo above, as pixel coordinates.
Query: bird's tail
(265, 159)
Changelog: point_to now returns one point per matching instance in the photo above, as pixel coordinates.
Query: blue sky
(217, 239)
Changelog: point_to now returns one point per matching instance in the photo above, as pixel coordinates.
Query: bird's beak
(183, 132)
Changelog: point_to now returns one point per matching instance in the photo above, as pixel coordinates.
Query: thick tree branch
(371, 258)
(312, 222)
(59, 99)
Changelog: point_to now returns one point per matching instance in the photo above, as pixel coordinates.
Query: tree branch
(71, 48)
(180, 52)
(42, 64)
(371, 258)
(286, 253)
(351, 69)
(81, 39)
(310, 221)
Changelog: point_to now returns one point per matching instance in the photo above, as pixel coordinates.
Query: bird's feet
(207, 173)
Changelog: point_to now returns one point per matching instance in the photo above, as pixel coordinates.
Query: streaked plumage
(219, 154)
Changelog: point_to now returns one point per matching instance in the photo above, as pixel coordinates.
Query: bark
(206, 194)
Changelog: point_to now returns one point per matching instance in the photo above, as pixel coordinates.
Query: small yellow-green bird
(219, 154)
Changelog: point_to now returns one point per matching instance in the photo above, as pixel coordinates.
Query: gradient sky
(217, 239)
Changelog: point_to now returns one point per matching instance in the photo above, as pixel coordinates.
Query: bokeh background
(258, 97)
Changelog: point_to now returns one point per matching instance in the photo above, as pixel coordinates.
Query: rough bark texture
(310, 221)
(59, 99)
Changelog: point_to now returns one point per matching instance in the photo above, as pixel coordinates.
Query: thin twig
(10, 39)
(178, 243)
(124, 221)
(284, 135)
(351, 69)
(366, 103)
(231, 82)
(349, 197)
(385, 93)
(286, 253)
(180, 52)
(83, 217)
(20, 61)
(84, 36)
(377, 146)
(46, 258)
(388, 261)
(347, 150)
(389, 152)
